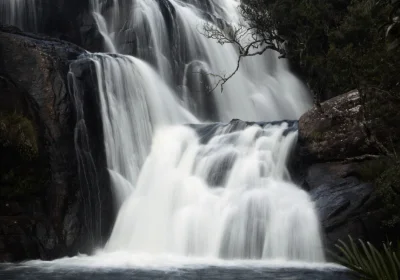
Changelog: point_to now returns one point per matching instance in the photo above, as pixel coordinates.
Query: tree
(336, 45)
(249, 39)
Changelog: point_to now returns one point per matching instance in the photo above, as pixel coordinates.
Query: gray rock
(335, 132)
(46, 237)
(333, 144)
(71, 225)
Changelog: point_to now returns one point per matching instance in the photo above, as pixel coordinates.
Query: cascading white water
(225, 198)
(167, 35)
(229, 197)
(21, 13)
(133, 99)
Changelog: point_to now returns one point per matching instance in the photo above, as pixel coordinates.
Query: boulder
(335, 131)
(334, 145)
(45, 210)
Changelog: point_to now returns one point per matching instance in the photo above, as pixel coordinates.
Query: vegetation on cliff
(336, 45)
(21, 171)
(369, 262)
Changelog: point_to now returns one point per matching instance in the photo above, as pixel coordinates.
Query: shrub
(368, 261)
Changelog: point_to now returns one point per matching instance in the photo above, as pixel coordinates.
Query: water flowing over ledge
(229, 197)
(225, 197)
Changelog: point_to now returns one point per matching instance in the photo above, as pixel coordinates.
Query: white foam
(124, 260)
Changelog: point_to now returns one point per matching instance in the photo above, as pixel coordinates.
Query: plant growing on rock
(18, 132)
(22, 171)
(368, 261)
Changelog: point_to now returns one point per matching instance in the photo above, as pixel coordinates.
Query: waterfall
(205, 190)
(166, 34)
(228, 197)
(133, 100)
(21, 13)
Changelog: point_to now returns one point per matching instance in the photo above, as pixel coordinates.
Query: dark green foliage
(388, 188)
(385, 174)
(368, 261)
(337, 45)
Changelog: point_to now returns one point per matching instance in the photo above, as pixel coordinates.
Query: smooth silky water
(191, 205)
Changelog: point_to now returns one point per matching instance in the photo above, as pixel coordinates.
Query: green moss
(23, 171)
(18, 132)
(317, 136)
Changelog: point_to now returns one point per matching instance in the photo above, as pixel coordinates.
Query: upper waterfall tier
(21, 13)
(167, 35)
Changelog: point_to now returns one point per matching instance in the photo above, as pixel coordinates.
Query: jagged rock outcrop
(334, 144)
(42, 204)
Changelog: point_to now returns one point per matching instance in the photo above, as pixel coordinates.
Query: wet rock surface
(48, 220)
(333, 145)
(346, 205)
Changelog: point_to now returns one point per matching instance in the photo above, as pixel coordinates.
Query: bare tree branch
(248, 43)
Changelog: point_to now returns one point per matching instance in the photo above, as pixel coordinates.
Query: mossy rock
(19, 182)
(18, 132)
(23, 170)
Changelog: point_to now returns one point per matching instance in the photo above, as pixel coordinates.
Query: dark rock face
(49, 221)
(336, 132)
(332, 147)
(346, 206)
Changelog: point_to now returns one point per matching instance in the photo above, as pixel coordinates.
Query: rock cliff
(42, 202)
(335, 147)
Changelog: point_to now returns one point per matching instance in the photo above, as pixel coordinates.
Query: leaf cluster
(336, 45)
(368, 261)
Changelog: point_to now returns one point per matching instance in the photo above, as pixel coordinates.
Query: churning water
(225, 198)
(230, 197)
(142, 268)
(225, 194)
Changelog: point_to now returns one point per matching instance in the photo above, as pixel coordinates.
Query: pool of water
(125, 267)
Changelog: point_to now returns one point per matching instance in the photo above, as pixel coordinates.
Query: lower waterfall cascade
(223, 191)
(229, 198)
